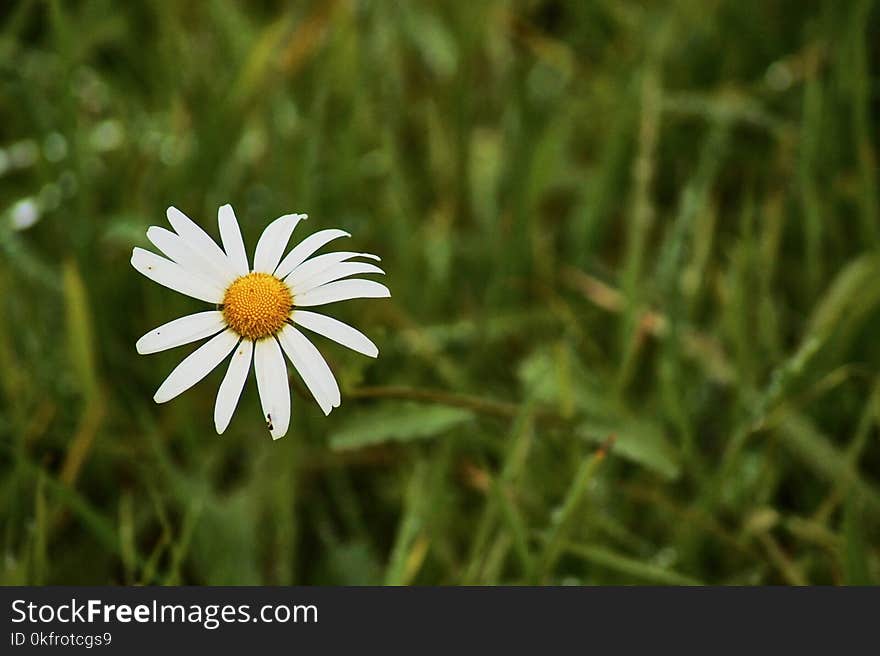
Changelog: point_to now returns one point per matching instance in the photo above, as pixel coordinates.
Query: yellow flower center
(257, 305)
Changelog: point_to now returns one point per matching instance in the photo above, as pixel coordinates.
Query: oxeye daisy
(258, 310)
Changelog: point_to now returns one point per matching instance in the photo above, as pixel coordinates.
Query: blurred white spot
(779, 76)
(23, 153)
(24, 214)
(55, 147)
(107, 135)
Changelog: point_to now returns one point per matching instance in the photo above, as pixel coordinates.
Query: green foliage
(632, 248)
(394, 421)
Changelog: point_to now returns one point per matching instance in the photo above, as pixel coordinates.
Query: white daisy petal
(273, 241)
(321, 263)
(339, 332)
(271, 373)
(181, 331)
(172, 275)
(312, 367)
(341, 290)
(230, 235)
(200, 241)
(232, 385)
(196, 366)
(305, 248)
(178, 250)
(342, 270)
(193, 263)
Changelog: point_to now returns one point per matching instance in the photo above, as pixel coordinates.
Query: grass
(633, 251)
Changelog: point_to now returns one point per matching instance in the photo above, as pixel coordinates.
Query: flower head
(257, 310)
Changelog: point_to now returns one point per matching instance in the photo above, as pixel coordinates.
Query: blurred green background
(634, 251)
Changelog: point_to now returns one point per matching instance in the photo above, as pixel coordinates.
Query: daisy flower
(258, 310)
